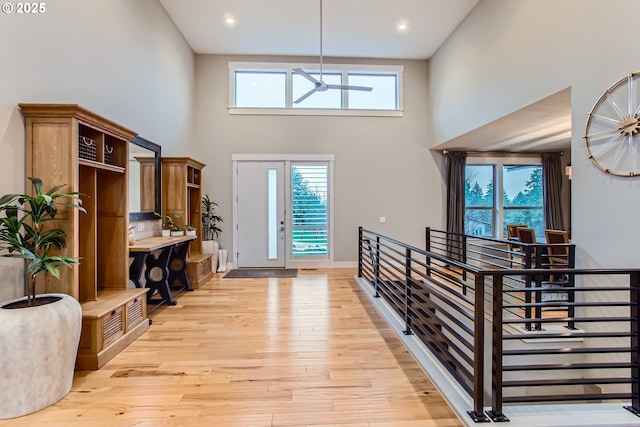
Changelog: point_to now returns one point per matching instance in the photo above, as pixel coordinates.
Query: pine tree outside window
(521, 201)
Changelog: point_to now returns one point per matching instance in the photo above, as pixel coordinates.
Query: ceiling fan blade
(346, 87)
(306, 95)
(306, 75)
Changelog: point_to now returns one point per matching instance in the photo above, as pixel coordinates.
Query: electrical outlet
(383, 219)
(140, 226)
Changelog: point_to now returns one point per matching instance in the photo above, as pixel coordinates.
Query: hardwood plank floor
(307, 351)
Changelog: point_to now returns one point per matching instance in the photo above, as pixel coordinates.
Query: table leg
(178, 267)
(135, 269)
(159, 266)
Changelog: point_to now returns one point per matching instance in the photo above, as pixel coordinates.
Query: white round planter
(38, 349)
(177, 233)
(211, 247)
(222, 260)
(166, 233)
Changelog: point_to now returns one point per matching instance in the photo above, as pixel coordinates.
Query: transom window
(519, 202)
(273, 88)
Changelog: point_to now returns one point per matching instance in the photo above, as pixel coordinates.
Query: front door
(261, 214)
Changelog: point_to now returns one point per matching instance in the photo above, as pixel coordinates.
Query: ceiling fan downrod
(318, 84)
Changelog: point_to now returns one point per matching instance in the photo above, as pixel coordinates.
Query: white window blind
(309, 205)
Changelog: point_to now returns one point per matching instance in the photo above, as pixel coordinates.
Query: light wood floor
(309, 351)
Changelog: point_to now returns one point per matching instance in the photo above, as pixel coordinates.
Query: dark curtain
(552, 190)
(456, 161)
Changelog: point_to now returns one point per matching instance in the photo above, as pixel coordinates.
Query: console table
(165, 259)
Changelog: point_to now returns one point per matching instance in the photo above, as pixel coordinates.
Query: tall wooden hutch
(182, 194)
(67, 144)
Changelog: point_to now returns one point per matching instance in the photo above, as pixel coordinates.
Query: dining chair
(558, 250)
(527, 235)
(512, 230)
(512, 235)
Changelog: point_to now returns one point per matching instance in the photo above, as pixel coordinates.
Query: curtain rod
(503, 153)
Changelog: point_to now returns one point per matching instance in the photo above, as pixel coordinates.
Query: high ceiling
(364, 29)
(351, 28)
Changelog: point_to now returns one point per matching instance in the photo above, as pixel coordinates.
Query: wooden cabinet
(199, 269)
(112, 322)
(182, 194)
(67, 144)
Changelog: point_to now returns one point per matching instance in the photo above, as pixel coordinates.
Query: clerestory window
(275, 88)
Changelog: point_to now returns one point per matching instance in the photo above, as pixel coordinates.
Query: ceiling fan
(319, 84)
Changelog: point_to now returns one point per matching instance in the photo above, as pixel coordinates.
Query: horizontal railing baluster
(445, 301)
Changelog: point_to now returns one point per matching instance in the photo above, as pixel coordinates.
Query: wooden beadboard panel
(50, 158)
(88, 233)
(182, 194)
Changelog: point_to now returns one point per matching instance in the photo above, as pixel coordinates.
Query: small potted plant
(191, 231)
(172, 226)
(38, 334)
(167, 226)
(210, 229)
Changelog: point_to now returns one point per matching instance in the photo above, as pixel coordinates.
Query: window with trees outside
(520, 202)
(309, 209)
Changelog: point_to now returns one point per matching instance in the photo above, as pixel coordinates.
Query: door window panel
(272, 221)
(309, 210)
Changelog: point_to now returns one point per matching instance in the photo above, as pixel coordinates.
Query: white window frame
(499, 163)
(345, 69)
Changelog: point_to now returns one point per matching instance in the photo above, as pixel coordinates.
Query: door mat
(259, 273)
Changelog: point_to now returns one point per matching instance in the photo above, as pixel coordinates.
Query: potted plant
(174, 229)
(191, 231)
(210, 229)
(39, 335)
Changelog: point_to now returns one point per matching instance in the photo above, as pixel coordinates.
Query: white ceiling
(365, 29)
(542, 126)
(351, 28)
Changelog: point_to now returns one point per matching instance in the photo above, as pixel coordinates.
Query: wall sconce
(569, 172)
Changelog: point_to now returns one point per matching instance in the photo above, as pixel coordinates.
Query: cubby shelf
(182, 194)
(67, 144)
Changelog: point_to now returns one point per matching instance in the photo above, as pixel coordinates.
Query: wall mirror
(144, 180)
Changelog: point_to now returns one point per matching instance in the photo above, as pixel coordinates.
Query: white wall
(122, 59)
(508, 54)
(383, 166)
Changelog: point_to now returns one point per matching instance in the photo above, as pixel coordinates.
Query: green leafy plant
(24, 232)
(190, 227)
(171, 225)
(210, 219)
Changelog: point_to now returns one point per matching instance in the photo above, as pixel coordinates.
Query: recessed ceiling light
(230, 20)
(402, 27)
